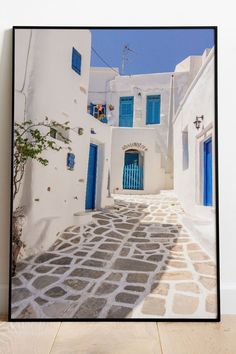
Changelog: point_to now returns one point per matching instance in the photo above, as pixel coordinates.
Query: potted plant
(111, 107)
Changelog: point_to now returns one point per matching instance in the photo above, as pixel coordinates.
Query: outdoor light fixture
(198, 121)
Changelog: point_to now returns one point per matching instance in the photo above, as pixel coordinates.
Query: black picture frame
(216, 169)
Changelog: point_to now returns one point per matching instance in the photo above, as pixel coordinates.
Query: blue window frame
(153, 109)
(76, 61)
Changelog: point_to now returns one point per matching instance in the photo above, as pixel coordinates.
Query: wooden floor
(118, 338)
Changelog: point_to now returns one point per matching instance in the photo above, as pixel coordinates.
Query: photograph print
(114, 174)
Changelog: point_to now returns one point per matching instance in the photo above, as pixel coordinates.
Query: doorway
(207, 198)
(133, 170)
(91, 178)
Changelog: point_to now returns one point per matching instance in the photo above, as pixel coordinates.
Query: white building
(153, 117)
(47, 85)
(144, 127)
(194, 152)
(141, 110)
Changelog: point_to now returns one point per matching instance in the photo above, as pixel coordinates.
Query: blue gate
(133, 177)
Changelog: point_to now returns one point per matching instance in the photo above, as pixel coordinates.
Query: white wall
(189, 180)
(106, 88)
(198, 101)
(53, 194)
(57, 12)
(154, 178)
(99, 79)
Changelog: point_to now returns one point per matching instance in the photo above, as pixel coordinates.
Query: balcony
(98, 111)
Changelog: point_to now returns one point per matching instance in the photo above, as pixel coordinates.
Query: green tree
(30, 141)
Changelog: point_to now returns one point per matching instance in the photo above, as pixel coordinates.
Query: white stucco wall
(52, 89)
(154, 177)
(199, 100)
(99, 79)
(106, 87)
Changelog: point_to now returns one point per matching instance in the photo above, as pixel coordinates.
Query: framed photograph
(114, 174)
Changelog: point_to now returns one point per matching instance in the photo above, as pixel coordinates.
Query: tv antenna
(125, 52)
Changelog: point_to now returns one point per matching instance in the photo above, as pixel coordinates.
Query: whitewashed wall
(188, 183)
(198, 101)
(106, 87)
(154, 177)
(99, 82)
(53, 194)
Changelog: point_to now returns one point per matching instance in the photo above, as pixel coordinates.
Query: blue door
(91, 178)
(126, 111)
(208, 172)
(132, 158)
(153, 109)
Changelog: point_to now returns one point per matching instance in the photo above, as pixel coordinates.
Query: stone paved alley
(135, 260)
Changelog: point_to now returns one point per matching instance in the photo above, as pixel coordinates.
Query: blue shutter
(153, 109)
(91, 108)
(76, 61)
(126, 111)
(104, 108)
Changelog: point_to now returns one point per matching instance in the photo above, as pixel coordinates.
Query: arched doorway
(133, 169)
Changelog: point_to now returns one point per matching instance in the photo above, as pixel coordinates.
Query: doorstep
(83, 217)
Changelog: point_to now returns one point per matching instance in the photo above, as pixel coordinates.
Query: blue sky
(156, 50)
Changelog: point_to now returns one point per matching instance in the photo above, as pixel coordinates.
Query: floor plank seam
(159, 337)
(55, 337)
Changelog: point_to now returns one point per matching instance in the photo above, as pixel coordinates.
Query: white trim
(228, 296)
(194, 82)
(199, 153)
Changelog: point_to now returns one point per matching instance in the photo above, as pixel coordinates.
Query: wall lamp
(198, 121)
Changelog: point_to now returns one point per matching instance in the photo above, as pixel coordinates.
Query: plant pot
(18, 221)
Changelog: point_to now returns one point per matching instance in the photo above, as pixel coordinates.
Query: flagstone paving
(135, 260)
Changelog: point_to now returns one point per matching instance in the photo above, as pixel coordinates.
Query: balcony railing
(98, 111)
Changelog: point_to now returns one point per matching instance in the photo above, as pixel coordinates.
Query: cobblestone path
(135, 260)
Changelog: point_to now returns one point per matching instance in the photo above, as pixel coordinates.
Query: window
(53, 133)
(76, 61)
(153, 109)
(185, 149)
(58, 132)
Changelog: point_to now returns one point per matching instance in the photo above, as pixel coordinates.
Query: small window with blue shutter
(76, 61)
